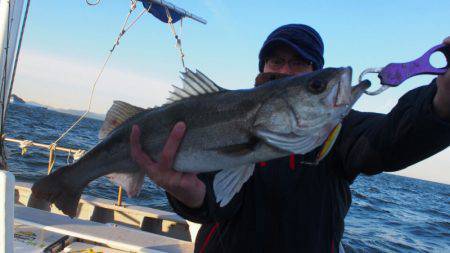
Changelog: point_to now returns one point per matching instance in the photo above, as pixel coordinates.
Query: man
(289, 205)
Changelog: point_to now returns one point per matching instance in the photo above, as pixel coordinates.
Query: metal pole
(68, 150)
(51, 159)
(119, 196)
(7, 182)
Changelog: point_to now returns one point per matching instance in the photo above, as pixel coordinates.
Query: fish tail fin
(56, 189)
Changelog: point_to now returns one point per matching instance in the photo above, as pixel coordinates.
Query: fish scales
(227, 131)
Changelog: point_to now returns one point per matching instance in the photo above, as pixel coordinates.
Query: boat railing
(76, 154)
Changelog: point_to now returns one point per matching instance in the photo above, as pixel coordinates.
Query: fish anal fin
(116, 115)
(130, 182)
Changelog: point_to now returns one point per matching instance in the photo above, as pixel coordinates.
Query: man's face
(285, 60)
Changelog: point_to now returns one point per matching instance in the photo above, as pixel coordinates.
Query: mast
(10, 36)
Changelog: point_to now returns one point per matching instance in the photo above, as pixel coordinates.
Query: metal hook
(375, 71)
(92, 4)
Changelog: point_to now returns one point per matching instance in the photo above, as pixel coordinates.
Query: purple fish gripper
(395, 73)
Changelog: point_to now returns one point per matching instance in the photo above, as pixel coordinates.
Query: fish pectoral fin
(228, 182)
(293, 143)
(130, 182)
(116, 115)
(239, 149)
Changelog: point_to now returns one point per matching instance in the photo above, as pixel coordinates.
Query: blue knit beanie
(302, 38)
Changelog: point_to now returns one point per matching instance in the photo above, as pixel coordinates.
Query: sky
(66, 43)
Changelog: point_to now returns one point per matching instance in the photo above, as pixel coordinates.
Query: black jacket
(289, 205)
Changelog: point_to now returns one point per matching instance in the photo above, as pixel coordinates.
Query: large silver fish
(227, 131)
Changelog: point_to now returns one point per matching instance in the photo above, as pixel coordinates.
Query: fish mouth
(358, 90)
(347, 94)
(344, 87)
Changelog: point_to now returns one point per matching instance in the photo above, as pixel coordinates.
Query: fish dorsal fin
(116, 115)
(194, 84)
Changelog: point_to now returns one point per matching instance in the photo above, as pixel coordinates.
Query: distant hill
(14, 99)
(18, 100)
(91, 115)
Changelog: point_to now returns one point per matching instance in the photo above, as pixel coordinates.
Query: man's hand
(441, 101)
(186, 187)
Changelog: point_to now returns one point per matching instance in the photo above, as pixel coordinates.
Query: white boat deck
(110, 205)
(80, 247)
(31, 237)
(115, 237)
(106, 211)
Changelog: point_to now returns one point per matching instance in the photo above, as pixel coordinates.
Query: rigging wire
(122, 32)
(124, 29)
(177, 38)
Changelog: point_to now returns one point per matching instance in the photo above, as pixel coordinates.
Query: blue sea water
(389, 213)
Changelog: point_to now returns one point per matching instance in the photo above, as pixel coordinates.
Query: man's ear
(266, 77)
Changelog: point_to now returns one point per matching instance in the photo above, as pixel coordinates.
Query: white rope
(78, 154)
(68, 157)
(90, 100)
(177, 38)
(23, 145)
(181, 27)
(122, 32)
(138, 17)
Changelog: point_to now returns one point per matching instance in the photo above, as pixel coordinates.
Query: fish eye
(317, 86)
